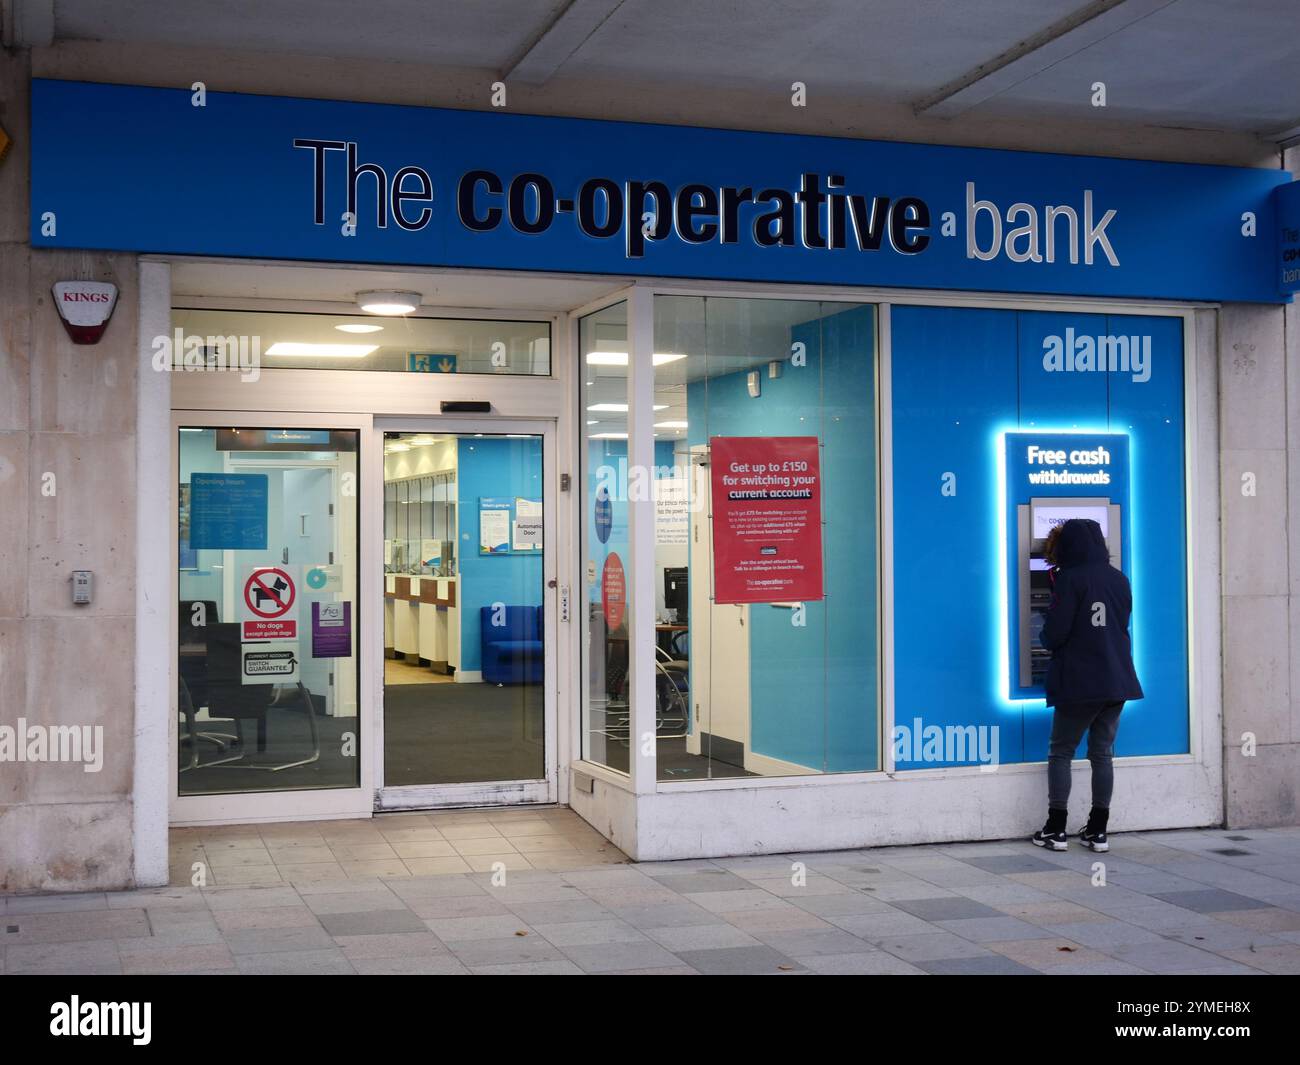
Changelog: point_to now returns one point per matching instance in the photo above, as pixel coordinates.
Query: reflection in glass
(604, 602)
(268, 610)
(773, 688)
(409, 344)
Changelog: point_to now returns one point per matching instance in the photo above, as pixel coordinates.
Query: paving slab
(384, 896)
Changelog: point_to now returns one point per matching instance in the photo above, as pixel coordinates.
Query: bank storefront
(695, 479)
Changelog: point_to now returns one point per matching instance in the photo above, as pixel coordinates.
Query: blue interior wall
(493, 466)
(813, 688)
(959, 378)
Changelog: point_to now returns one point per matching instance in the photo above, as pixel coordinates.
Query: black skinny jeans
(1069, 722)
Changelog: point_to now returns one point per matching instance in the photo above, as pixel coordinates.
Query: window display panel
(766, 546)
(1005, 424)
(268, 610)
(604, 604)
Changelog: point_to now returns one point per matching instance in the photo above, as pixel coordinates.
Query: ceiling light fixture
(618, 408)
(321, 351)
(388, 302)
(358, 327)
(619, 358)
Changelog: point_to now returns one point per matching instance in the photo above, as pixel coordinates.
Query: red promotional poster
(613, 592)
(767, 519)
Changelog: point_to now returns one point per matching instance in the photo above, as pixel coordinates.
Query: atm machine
(1035, 520)
(1051, 477)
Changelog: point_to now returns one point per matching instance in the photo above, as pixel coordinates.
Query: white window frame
(1204, 636)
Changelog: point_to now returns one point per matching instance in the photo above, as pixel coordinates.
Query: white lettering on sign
(1037, 456)
(1035, 240)
(1061, 460)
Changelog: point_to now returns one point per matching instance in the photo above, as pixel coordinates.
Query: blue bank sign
(272, 177)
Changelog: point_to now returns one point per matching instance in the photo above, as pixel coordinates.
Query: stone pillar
(1259, 377)
(67, 491)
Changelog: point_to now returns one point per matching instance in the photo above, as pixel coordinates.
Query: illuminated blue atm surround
(1086, 455)
(961, 381)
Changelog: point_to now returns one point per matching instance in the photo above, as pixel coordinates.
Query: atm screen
(1046, 517)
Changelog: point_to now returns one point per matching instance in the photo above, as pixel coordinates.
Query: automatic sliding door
(464, 616)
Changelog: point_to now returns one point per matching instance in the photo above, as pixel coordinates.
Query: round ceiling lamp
(388, 302)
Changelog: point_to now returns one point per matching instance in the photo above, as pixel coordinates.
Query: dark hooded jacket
(1092, 659)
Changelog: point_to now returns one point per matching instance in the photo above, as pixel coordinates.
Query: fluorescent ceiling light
(321, 351)
(618, 408)
(388, 302)
(358, 327)
(670, 425)
(608, 436)
(397, 447)
(619, 358)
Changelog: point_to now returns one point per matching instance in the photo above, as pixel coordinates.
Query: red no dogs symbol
(269, 593)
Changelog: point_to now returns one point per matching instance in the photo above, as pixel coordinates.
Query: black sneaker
(1094, 839)
(1056, 841)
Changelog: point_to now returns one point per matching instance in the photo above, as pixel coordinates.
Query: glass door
(268, 626)
(468, 692)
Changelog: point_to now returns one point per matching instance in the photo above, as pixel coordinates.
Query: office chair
(672, 701)
(185, 707)
(192, 646)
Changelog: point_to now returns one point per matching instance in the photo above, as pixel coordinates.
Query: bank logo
(1083, 353)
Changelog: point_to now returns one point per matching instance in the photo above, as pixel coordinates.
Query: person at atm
(1090, 676)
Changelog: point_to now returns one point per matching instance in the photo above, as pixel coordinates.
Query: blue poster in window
(494, 516)
(228, 511)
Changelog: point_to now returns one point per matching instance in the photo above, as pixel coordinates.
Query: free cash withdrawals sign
(336, 181)
(767, 519)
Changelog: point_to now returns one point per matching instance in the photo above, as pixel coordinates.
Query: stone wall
(67, 490)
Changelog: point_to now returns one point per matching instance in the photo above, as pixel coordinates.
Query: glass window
(279, 340)
(604, 353)
(268, 611)
(766, 537)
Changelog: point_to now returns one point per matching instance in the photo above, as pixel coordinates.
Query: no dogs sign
(270, 605)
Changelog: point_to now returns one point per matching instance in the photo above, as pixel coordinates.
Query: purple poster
(331, 630)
